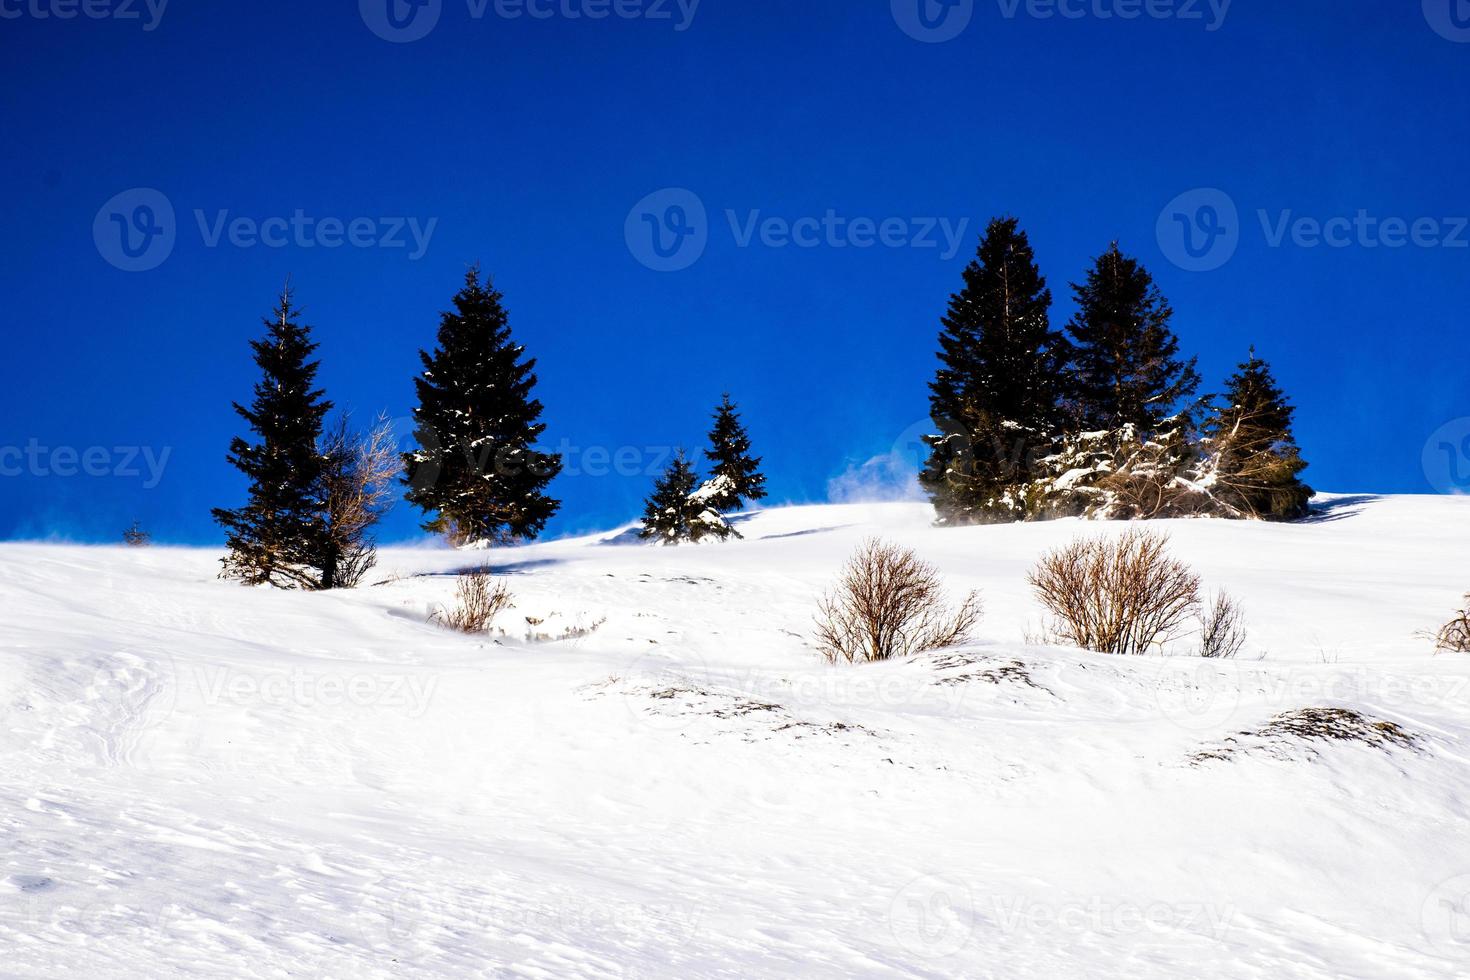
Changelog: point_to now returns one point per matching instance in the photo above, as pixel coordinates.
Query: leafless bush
(1124, 597)
(357, 485)
(478, 599)
(888, 603)
(1454, 636)
(1221, 628)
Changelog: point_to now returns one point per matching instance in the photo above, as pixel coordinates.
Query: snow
(199, 779)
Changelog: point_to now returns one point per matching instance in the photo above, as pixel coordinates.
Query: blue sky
(1315, 152)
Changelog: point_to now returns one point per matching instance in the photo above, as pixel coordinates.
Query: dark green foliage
(1256, 459)
(476, 472)
(729, 453)
(677, 512)
(277, 538)
(1126, 366)
(997, 397)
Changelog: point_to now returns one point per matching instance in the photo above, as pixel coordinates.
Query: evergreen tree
(730, 453)
(1255, 456)
(677, 512)
(277, 538)
(1127, 370)
(997, 396)
(476, 472)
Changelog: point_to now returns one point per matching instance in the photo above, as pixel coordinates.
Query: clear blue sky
(529, 141)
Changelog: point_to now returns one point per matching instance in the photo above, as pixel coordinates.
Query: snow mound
(647, 771)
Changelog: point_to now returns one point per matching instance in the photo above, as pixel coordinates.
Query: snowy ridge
(651, 774)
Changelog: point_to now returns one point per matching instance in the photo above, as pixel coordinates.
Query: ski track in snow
(198, 779)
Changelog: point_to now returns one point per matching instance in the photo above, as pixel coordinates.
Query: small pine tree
(729, 453)
(136, 537)
(1127, 369)
(476, 473)
(677, 512)
(997, 396)
(277, 538)
(1255, 459)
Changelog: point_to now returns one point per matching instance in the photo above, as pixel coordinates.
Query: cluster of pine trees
(681, 508)
(316, 490)
(1102, 418)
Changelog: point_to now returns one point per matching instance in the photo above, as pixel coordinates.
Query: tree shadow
(1339, 508)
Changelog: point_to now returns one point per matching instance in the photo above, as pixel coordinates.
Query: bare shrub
(357, 487)
(478, 599)
(1124, 597)
(1454, 636)
(888, 603)
(1221, 628)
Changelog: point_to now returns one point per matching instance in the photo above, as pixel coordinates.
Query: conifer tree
(277, 538)
(997, 396)
(1127, 370)
(476, 472)
(677, 512)
(735, 473)
(1255, 458)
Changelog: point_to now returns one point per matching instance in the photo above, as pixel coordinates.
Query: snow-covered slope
(200, 779)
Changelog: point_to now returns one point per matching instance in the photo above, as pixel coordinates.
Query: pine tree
(1254, 455)
(1127, 370)
(735, 473)
(997, 396)
(136, 537)
(677, 512)
(277, 538)
(476, 472)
